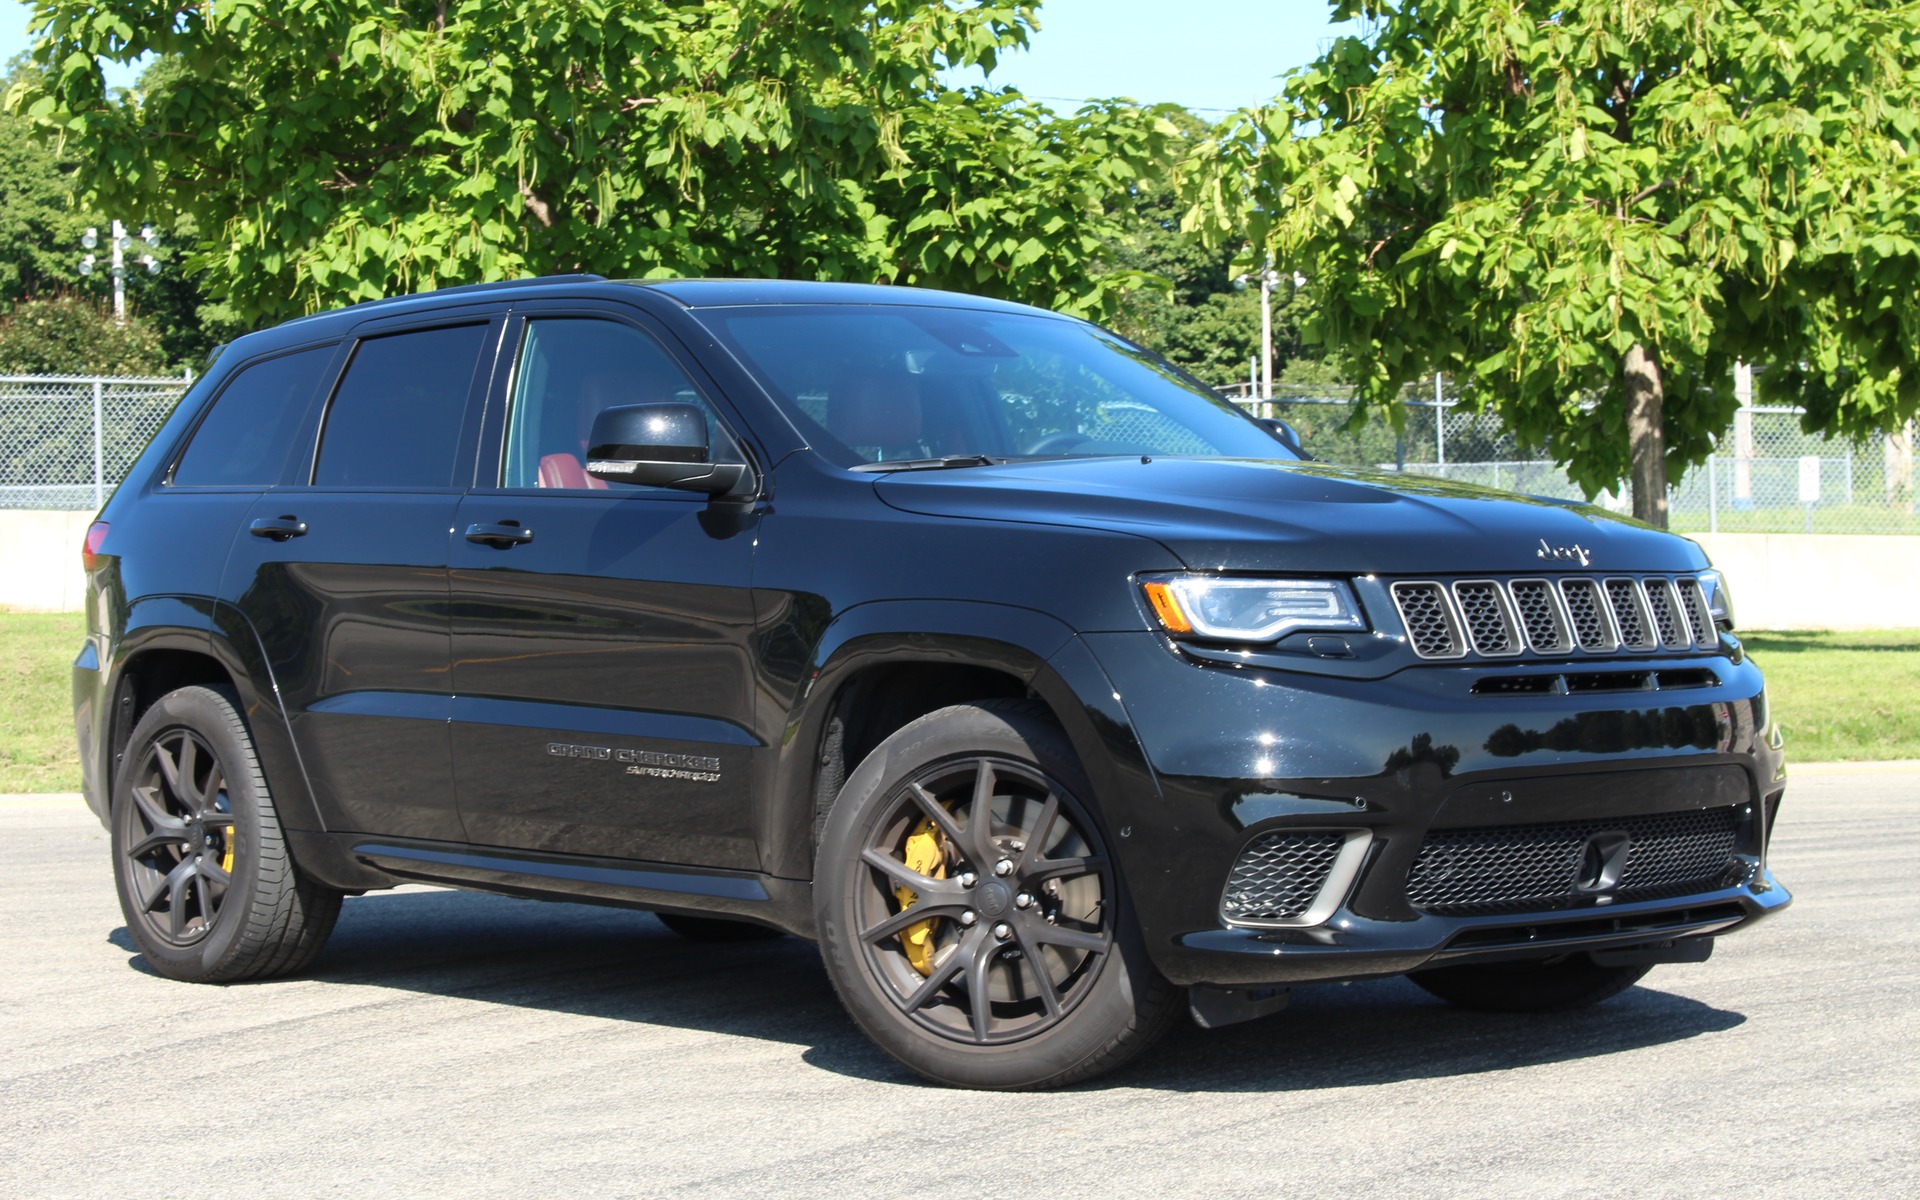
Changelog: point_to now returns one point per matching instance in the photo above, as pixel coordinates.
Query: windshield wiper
(947, 463)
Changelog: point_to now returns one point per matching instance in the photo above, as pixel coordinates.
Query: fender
(1015, 641)
(195, 624)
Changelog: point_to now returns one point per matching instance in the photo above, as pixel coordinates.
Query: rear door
(602, 632)
(344, 579)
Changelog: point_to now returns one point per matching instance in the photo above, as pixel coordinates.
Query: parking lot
(453, 1043)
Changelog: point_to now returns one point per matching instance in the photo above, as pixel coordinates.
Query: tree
(336, 150)
(1592, 210)
(70, 335)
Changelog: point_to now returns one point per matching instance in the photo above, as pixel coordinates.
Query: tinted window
(879, 384)
(569, 370)
(251, 438)
(395, 418)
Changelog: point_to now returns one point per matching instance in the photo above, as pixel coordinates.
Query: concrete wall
(40, 559)
(1819, 581)
(1779, 580)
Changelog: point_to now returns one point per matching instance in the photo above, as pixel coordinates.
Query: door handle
(278, 528)
(504, 536)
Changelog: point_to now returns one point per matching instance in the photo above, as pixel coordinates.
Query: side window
(570, 368)
(251, 438)
(396, 416)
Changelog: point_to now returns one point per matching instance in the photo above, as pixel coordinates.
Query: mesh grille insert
(1509, 868)
(1666, 615)
(1486, 618)
(1538, 616)
(1589, 619)
(1624, 596)
(1278, 876)
(1423, 609)
(1694, 601)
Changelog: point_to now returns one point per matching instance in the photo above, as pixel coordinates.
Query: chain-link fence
(65, 440)
(1766, 476)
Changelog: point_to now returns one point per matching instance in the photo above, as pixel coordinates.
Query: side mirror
(1285, 434)
(659, 445)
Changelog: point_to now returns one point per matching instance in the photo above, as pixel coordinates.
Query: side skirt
(374, 862)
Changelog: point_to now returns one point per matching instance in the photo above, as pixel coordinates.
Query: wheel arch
(174, 642)
(878, 667)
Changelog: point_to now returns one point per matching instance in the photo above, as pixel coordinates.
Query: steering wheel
(1056, 443)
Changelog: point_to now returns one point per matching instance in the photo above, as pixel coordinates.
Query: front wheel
(1549, 985)
(970, 917)
(207, 886)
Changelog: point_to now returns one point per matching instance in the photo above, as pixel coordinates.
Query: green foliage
(39, 229)
(1522, 193)
(37, 752)
(71, 335)
(338, 150)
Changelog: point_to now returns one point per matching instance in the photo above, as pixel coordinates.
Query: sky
(1209, 55)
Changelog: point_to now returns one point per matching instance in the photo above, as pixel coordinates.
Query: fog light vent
(1278, 877)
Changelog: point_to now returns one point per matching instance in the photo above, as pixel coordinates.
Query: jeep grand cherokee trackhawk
(1047, 691)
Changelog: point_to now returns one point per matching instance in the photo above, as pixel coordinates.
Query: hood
(1257, 515)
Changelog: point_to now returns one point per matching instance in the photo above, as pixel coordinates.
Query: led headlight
(1251, 610)
(1719, 600)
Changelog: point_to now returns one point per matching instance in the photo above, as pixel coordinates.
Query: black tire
(1545, 985)
(717, 929)
(207, 886)
(1047, 937)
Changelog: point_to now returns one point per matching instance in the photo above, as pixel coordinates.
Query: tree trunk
(1646, 442)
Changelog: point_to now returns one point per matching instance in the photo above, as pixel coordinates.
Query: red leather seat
(565, 471)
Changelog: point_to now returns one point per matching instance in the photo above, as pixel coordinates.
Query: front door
(602, 632)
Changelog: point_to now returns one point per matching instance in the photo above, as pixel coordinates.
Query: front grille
(1483, 607)
(1510, 868)
(1424, 611)
(1278, 877)
(1628, 616)
(1540, 616)
(1590, 622)
(1699, 618)
(1502, 619)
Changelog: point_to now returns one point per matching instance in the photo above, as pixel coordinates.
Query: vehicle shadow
(616, 964)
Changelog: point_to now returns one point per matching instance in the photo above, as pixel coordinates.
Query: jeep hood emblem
(1574, 553)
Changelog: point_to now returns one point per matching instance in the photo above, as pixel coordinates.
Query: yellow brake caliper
(925, 855)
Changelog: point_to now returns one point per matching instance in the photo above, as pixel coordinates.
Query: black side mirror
(659, 445)
(1285, 434)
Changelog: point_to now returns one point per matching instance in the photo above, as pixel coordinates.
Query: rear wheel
(1549, 985)
(970, 917)
(207, 886)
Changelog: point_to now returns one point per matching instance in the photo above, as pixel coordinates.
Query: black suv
(1046, 690)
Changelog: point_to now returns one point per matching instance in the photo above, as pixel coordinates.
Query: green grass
(1843, 696)
(1838, 696)
(37, 751)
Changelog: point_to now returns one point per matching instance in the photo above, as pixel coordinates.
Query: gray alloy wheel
(969, 914)
(205, 881)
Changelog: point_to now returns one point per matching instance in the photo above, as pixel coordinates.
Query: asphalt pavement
(449, 1043)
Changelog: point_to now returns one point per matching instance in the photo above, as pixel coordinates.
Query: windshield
(895, 384)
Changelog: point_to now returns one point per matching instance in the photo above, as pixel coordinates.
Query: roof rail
(530, 281)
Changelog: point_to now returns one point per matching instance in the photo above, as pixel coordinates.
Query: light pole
(120, 242)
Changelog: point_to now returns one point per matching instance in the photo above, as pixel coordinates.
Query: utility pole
(120, 242)
(1267, 280)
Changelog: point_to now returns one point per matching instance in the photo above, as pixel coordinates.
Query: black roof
(689, 293)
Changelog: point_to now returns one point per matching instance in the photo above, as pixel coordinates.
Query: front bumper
(1231, 755)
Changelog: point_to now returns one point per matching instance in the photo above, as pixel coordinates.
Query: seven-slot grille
(1500, 619)
(1508, 868)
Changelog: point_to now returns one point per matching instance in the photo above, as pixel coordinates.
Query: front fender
(1031, 646)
